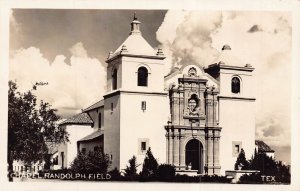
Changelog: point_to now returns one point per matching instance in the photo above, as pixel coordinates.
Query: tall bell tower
(135, 106)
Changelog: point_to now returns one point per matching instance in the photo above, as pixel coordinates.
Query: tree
(92, 162)
(241, 161)
(283, 173)
(130, 170)
(150, 165)
(265, 164)
(268, 166)
(30, 127)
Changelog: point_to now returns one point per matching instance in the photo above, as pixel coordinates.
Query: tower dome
(135, 43)
(226, 57)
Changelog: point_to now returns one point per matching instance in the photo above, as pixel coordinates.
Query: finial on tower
(134, 16)
(135, 25)
(124, 49)
(110, 55)
(159, 52)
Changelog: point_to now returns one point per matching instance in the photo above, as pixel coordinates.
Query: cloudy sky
(68, 49)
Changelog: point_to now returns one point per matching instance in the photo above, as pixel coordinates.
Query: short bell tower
(236, 106)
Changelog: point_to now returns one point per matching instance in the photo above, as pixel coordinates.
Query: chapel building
(195, 118)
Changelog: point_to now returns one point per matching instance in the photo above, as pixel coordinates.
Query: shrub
(115, 174)
(201, 178)
(265, 164)
(130, 170)
(215, 179)
(93, 162)
(166, 172)
(186, 178)
(250, 179)
(241, 161)
(150, 165)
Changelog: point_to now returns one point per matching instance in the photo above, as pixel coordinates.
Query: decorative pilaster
(210, 151)
(167, 147)
(182, 153)
(215, 106)
(170, 148)
(181, 108)
(175, 109)
(209, 111)
(217, 166)
(176, 150)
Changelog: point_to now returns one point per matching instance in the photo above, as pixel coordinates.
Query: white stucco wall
(112, 130)
(238, 124)
(76, 132)
(94, 114)
(90, 145)
(138, 124)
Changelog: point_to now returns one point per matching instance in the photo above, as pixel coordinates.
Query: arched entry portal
(194, 155)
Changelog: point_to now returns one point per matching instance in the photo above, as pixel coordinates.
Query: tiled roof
(91, 136)
(262, 146)
(81, 118)
(94, 106)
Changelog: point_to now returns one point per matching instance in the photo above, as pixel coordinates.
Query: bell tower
(136, 104)
(236, 106)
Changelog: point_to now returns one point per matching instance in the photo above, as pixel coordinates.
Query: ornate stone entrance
(193, 132)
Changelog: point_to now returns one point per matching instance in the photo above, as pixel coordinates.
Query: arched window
(235, 85)
(114, 79)
(142, 76)
(99, 121)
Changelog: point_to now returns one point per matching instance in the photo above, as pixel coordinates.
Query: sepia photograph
(149, 95)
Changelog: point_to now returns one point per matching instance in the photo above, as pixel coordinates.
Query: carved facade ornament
(193, 106)
(193, 92)
(202, 114)
(192, 72)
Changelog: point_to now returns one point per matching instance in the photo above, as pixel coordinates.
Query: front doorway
(194, 155)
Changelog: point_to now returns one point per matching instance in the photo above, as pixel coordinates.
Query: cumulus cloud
(190, 41)
(77, 50)
(71, 87)
(15, 25)
(262, 39)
